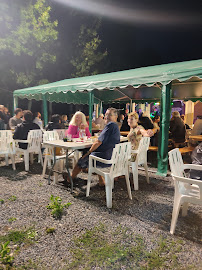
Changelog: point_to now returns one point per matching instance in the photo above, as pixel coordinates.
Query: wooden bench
(183, 150)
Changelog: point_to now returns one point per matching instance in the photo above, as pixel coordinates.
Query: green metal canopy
(163, 82)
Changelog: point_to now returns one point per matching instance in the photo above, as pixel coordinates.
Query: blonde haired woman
(77, 123)
(137, 132)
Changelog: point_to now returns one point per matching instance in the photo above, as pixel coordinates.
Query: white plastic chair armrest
(192, 167)
(190, 181)
(21, 141)
(134, 151)
(106, 161)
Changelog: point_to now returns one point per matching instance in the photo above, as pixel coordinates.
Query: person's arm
(95, 145)
(87, 132)
(12, 123)
(16, 134)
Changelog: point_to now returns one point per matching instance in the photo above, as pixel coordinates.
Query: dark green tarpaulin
(139, 85)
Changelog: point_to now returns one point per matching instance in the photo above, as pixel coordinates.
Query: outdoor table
(67, 146)
(196, 138)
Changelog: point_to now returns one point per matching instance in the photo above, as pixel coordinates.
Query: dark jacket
(125, 126)
(146, 122)
(177, 129)
(22, 130)
(2, 124)
(52, 126)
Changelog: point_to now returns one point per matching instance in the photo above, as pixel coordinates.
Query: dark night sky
(136, 44)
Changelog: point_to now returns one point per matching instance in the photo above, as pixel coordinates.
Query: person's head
(156, 119)
(5, 110)
(101, 116)
(133, 119)
(175, 114)
(78, 119)
(64, 117)
(18, 112)
(28, 116)
(37, 114)
(122, 116)
(182, 117)
(55, 118)
(1, 108)
(111, 115)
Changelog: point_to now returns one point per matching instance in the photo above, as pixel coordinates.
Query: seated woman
(154, 139)
(137, 132)
(145, 121)
(77, 123)
(177, 128)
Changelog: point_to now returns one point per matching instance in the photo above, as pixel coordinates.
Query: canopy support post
(29, 105)
(162, 154)
(15, 104)
(91, 102)
(45, 111)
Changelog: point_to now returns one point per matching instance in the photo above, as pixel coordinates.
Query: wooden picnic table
(196, 138)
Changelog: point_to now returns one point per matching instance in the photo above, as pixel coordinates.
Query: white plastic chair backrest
(120, 156)
(7, 145)
(61, 133)
(176, 163)
(50, 136)
(142, 150)
(34, 140)
(177, 167)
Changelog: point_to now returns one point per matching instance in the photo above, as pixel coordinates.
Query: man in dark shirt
(103, 146)
(23, 129)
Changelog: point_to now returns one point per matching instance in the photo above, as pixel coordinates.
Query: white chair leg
(13, 162)
(31, 158)
(128, 186)
(135, 174)
(108, 190)
(184, 209)
(44, 166)
(146, 171)
(26, 160)
(88, 183)
(41, 158)
(6, 159)
(55, 174)
(176, 210)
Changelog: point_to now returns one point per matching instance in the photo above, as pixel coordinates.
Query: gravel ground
(148, 214)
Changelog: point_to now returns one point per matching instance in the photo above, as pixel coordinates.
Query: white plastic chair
(7, 146)
(119, 166)
(141, 159)
(49, 155)
(34, 140)
(61, 133)
(187, 190)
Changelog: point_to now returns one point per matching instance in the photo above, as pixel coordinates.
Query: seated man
(100, 121)
(103, 146)
(22, 129)
(15, 120)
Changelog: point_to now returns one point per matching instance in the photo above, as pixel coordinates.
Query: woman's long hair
(83, 119)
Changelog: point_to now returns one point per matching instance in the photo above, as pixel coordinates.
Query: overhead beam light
(133, 15)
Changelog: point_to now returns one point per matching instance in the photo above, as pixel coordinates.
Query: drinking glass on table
(82, 134)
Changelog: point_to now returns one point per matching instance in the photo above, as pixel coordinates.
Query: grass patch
(19, 236)
(122, 250)
(10, 220)
(12, 198)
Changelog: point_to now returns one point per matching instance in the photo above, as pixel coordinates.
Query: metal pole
(15, 103)
(164, 130)
(45, 111)
(91, 100)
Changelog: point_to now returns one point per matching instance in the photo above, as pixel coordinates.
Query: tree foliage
(27, 39)
(87, 56)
